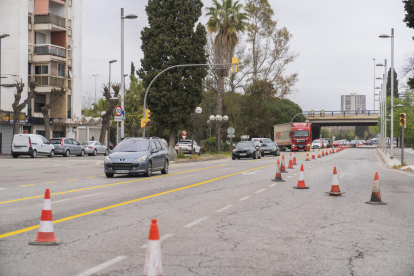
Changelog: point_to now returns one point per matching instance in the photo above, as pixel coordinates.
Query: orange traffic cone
(301, 181)
(335, 185)
(294, 158)
(313, 154)
(323, 153)
(282, 165)
(330, 152)
(333, 150)
(278, 177)
(153, 262)
(376, 193)
(307, 157)
(46, 235)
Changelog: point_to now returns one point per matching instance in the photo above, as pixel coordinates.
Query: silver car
(92, 148)
(67, 146)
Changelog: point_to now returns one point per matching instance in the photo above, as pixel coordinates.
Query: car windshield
(246, 144)
(55, 141)
(317, 142)
(300, 133)
(273, 145)
(87, 143)
(132, 146)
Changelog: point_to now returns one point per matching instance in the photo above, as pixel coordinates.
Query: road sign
(118, 111)
(123, 115)
(184, 132)
(231, 136)
(118, 118)
(184, 136)
(231, 131)
(244, 137)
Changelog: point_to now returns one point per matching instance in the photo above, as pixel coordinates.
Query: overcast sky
(336, 41)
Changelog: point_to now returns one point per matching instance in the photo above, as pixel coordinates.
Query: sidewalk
(396, 161)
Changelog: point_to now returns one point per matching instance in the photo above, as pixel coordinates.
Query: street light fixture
(219, 118)
(95, 85)
(129, 16)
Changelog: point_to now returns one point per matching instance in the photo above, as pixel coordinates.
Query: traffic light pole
(175, 66)
(402, 145)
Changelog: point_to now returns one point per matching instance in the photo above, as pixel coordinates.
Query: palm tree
(226, 20)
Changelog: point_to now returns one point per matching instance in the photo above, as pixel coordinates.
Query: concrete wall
(76, 16)
(14, 49)
(57, 9)
(58, 38)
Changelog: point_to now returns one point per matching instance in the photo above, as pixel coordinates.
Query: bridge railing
(326, 113)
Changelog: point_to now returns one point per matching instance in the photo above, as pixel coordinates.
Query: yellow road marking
(107, 185)
(71, 179)
(128, 202)
(51, 182)
(90, 177)
(26, 185)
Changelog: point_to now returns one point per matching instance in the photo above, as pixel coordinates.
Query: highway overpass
(342, 118)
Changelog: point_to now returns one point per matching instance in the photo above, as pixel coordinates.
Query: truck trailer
(293, 136)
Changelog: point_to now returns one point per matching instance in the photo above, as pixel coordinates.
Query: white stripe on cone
(153, 262)
(46, 226)
(335, 179)
(47, 204)
(301, 176)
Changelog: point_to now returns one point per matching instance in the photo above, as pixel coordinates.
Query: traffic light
(312, 113)
(143, 122)
(322, 113)
(403, 120)
(235, 63)
(147, 115)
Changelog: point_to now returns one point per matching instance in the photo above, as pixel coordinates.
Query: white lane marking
(259, 191)
(224, 208)
(289, 177)
(97, 268)
(72, 198)
(185, 176)
(244, 198)
(196, 222)
(342, 175)
(166, 236)
(253, 172)
(295, 173)
(2, 189)
(274, 184)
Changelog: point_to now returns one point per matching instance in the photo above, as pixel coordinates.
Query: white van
(259, 141)
(31, 144)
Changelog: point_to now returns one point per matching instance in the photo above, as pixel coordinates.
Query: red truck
(293, 136)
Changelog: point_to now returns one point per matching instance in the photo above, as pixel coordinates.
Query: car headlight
(308, 145)
(107, 159)
(142, 158)
(234, 150)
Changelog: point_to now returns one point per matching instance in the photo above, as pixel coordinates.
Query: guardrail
(49, 49)
(50, 19)
(324, 113)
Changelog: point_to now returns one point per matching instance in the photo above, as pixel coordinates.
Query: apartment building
(45, 46)
(353, 102)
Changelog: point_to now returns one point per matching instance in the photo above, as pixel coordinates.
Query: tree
(409, 112)
(226, 21)
(18, 107)
(396, 95)
(360, 132)
(173, 38)
(106, 117)
(133, 104)
(409, 16)
(54, 95)
(96, 109)
(325, 132)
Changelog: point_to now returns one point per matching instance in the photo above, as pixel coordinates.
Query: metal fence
(324, 113)
(50, 19)
(49, 49)
(49, 80)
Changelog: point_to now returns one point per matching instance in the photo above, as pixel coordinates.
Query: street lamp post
(198, 111)
(218, 119)
(384, 105)
(374, 83)
(402, 139)
(109, 89)
(129, 16)
(95, 85)
(392, 88)
(1, 36)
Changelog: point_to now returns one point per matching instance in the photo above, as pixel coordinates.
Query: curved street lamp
(219, 118)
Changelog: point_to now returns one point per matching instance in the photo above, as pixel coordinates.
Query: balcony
(49, 22)
(45, 83)
(48, 52)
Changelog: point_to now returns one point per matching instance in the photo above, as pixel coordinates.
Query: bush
(209, 144)
(181, 155)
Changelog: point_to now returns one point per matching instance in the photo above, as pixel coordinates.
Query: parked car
(246, 149)
(269, 149)
(137, 155)
(31, 144)
(92, 148)
(111, 145)
(185, 145)
(353, 143)
(336, 144)
(317, 144)
(323, 143)
(67, 146)
(328, 142)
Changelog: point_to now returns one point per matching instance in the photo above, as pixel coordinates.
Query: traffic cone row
(278, 177)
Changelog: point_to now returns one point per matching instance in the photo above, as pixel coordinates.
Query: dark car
(246, 149)
(137, 155)
(270, 149)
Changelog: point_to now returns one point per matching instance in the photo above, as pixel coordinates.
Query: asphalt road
(219, 217)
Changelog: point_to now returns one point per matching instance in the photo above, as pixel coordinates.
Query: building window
(41, 70)
(29, 69)
(40, 101)
(69, 106)
(61, 70)
(40, 38)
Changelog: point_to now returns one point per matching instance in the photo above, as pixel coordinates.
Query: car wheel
(52, 154)
(165, 169)
(233, 158)
(94, 152)
(149, 170)
(238, 158)
(82, 153)
(15, 156)
(106, 152)
(67, 153)
(109, 175)
(34, 154)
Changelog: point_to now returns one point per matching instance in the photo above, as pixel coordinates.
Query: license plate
(267, 152)
(17, 147)
(121, 171)
(242, 153)
(301, 147)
